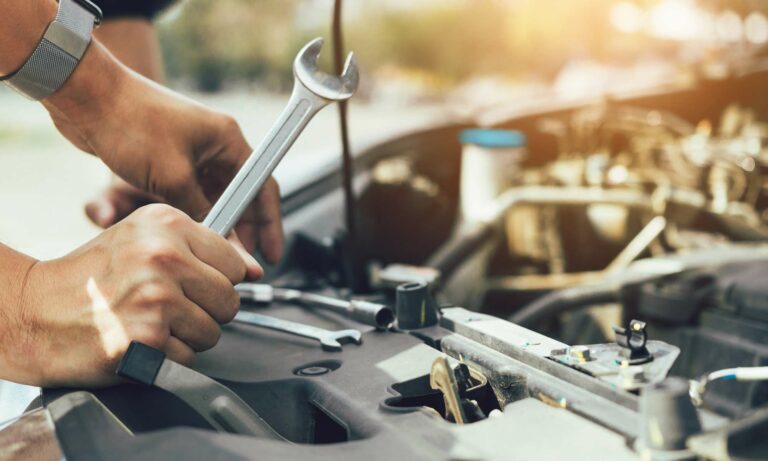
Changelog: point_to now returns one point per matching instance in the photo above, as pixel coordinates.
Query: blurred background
(423, 62)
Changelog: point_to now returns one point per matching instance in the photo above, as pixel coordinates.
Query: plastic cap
(492, 138)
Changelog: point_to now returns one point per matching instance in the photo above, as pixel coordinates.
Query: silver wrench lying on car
(312, 91)
(329, 340)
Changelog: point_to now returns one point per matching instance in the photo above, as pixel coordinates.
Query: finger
(116, 203)
(247, 233)
(185, 193)
(211, 249)
(128, 198)
(194, 326)
(269, 222)
(101, 212)
(253, 270)
(176, 350)
(212, 291)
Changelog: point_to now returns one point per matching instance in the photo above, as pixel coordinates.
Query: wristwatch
(59, 52)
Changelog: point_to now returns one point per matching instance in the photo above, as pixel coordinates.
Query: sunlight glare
(113, 334)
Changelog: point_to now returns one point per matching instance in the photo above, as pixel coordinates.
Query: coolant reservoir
(490, 160)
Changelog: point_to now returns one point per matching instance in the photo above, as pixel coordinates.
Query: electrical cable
(699, 387)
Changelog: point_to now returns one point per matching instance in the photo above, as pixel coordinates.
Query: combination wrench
(330, 340)
(312, 91)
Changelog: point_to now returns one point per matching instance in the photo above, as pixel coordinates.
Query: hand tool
(330, 340)
(221, 407)
(312, 91)
(374, 314)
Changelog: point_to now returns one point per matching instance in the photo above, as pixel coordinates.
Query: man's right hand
(157, 277)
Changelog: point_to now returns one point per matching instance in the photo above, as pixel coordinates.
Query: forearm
(22, 25)
(15, 343)
(134, 42)
(86, 93)
(90, 90)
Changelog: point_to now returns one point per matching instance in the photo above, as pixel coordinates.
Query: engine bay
(607, 303)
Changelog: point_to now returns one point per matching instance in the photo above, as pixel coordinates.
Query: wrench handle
(286, 326)
(262, 162)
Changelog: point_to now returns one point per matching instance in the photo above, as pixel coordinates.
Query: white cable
(698, 387)
(752, 374)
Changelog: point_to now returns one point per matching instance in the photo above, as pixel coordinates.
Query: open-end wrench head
(333, 342)
(330, 87)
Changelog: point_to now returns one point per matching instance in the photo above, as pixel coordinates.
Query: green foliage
(444, 41)
(247, 40)
(231, 40)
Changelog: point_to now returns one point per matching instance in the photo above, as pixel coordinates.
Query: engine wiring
(699, 387)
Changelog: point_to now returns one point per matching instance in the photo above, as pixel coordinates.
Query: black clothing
(132, 8)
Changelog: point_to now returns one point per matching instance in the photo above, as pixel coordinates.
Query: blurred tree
(231, 40)
(442, 42)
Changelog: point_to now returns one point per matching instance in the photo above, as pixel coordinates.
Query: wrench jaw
(328, 87)
(332, 343)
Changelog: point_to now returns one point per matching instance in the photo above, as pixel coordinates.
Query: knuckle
(157, 211)
(187, 359)
(164, 256)
(155, 295)
(179, 179)
(234, 306)
(174, 219)
(212, 338)
(229, 125)
(152, 334)
(163, 215)
(161, 253)
(229, 308)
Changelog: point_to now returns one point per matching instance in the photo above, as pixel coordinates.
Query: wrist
(17, 357)
(91, 91)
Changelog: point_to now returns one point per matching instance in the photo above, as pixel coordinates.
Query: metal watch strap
(58, 53)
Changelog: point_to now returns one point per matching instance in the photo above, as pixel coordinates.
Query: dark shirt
(132, 8)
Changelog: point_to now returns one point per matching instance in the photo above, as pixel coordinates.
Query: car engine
(597, 292)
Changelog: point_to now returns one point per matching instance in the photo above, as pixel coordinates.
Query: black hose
(557, 302)
(351, 244)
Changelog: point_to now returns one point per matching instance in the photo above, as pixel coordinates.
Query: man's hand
(157, 277)
(162, 143)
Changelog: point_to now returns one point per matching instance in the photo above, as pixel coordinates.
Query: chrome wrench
(330, 340)
(312, 91)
